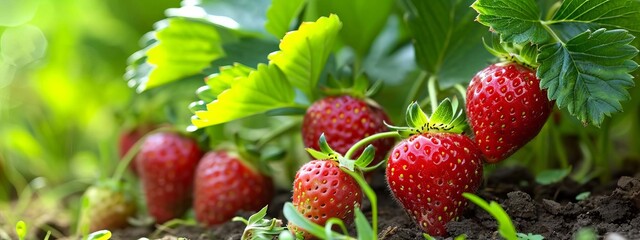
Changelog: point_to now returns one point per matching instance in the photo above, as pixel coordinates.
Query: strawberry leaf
(589, 75)
(219, 82)
(184, 47)
(446, 39)
(517, 21)
(360, 27)
(363, 227)
(296, 218)
(280, 15)
(610, 14)
(303, 53)
(248, 96)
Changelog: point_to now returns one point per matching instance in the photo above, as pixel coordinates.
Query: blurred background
(63, 99)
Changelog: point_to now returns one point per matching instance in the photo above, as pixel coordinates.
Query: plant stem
(372, 198)
(415, 89)
(362, 143)
(278, 132)
(133, 151)
(433, 92)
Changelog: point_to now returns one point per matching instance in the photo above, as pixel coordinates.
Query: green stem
(372, 198)
(415, 89)
(604, 149)
(362, 143)
(433, 92)
(284, 129)
(561, 153)
(555, 36)
(462, 91)
(133, 151)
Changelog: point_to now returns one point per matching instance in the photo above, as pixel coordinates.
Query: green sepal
(445, 119)
(324, 146)
(366, 157)
(416, 118)
(259, 228)
(317, 154)
(347, 163)
(374, 167)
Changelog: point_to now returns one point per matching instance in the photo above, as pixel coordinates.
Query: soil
(551, 210)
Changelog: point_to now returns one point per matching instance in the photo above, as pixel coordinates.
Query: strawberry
(225, 183)
(506, 109)
(428, 171)
(109, 207)
(345, 120)
(166, 164)
(322, 190)
(128, 138)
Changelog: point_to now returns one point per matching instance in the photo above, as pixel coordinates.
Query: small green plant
(505, 225)
(259, 228)
(21, 229)
(100, 235)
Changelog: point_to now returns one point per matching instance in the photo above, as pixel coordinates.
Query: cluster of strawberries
(427, 171)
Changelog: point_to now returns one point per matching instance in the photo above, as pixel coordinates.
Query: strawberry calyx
(358, 88)
(523, 54)
(328, 154)
(445, 119)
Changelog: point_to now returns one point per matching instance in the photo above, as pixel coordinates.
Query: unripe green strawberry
(166, 164)
(109, 207)
(226, 184)
(506, 109)
(321, 190)
(345, 120)
(429, 170)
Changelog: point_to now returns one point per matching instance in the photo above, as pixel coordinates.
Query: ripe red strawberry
(345, 120)
(109, 207)
(128, 138)
(226, 184)
(321, 190)
(428, 172)
(506, 109)
(166, 164)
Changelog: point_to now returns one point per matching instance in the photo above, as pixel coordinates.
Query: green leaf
(303, 53)
(517, 21)
(363, 228)
(547, 177)
(529, 236)
(589, 75)
(251, 95)
(586, 233)
(505, 226)
(583, 195)
(447, 40)
(362, 20)
(184, 48)
(610, 14)
(100, 235)
(280, 15)
(21, 230)
(296, 218)
(219, 82)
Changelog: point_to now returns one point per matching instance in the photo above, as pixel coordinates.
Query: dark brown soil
(551, 211)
